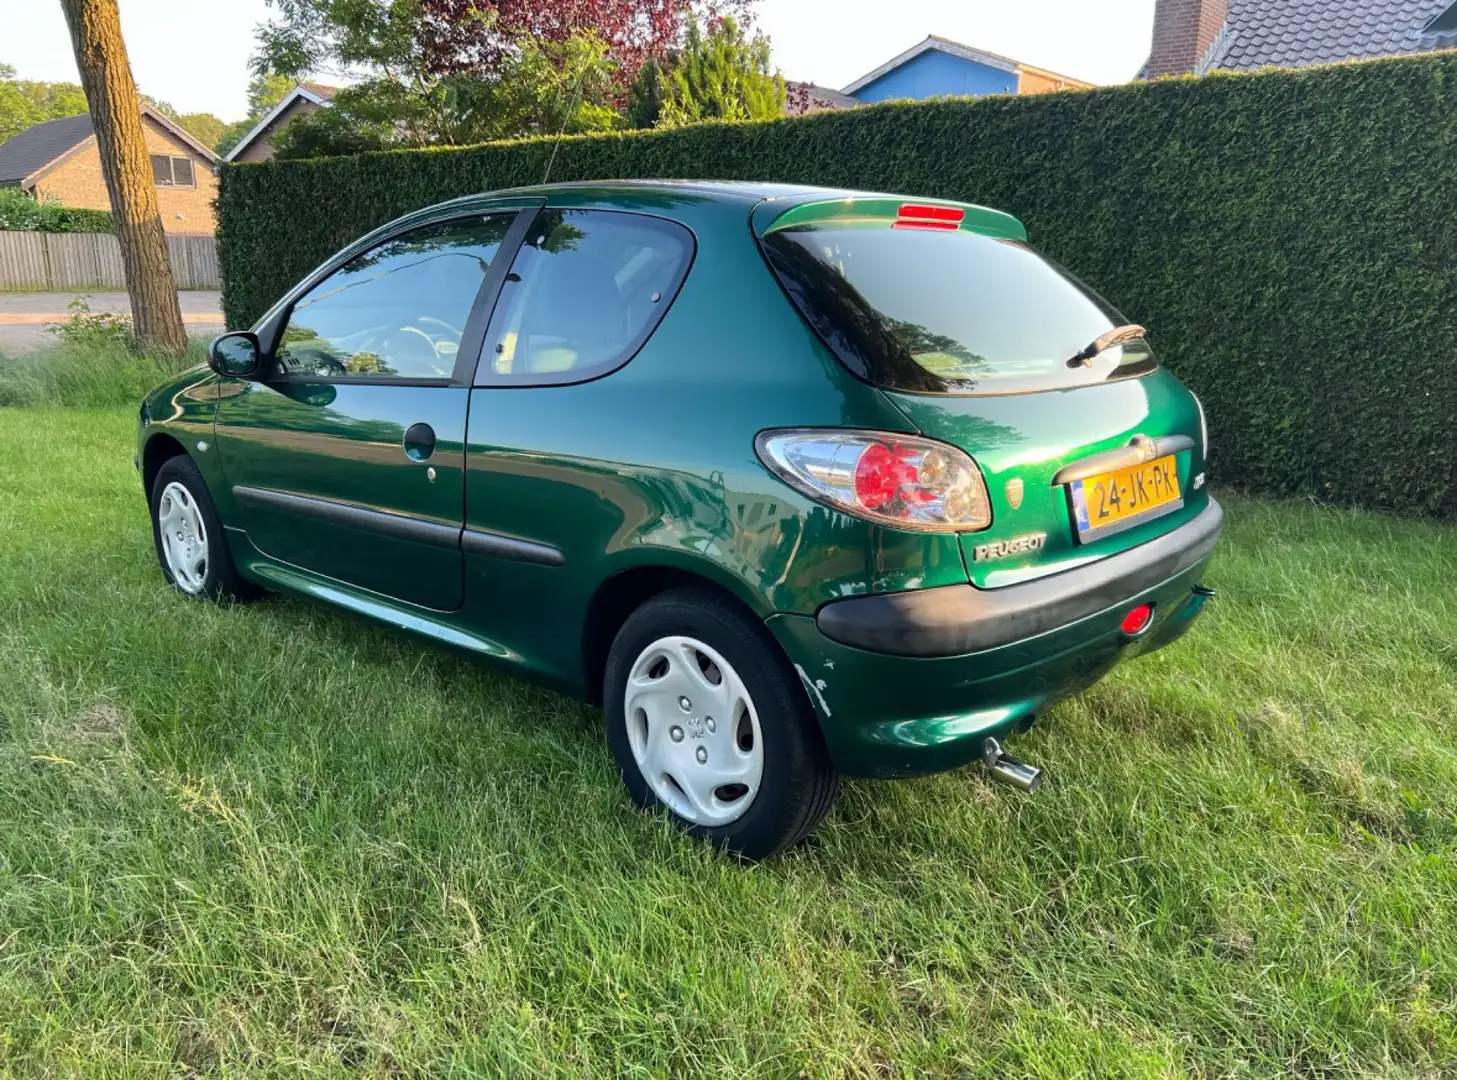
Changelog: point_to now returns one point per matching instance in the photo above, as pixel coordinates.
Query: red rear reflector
(915, 216)
(1138, 620)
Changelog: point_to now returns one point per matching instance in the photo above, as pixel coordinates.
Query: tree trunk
(116, 114)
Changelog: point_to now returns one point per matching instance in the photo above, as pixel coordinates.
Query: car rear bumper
(957, 619)
(905, 709)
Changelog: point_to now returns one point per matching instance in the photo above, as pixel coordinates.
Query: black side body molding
(397, 526)
(495, 545)
(403, 527)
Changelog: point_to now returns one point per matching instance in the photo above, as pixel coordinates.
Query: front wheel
(189, 535)
(707, 720)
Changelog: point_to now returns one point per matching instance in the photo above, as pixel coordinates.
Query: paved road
(25, 316)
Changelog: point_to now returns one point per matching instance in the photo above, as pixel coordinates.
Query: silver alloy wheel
(184, 538)
(693, 731)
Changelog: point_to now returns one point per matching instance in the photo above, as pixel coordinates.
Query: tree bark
(116, 114)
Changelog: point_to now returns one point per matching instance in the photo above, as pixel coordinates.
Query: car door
(348, 457)
(586, 291)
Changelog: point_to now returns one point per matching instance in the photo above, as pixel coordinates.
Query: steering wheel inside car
(415, 352)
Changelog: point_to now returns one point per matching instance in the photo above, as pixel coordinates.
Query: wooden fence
(65, 262)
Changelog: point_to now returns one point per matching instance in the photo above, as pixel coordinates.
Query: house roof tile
(325, 92)
(36, 147)
(1297, 33)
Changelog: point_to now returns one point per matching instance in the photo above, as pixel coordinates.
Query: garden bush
(19, 212)
(1289, 237)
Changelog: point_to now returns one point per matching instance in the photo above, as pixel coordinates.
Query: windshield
(951, 312)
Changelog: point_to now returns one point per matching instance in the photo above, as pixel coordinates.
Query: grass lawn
(278, 841)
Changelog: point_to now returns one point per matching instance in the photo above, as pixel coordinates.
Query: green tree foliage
(166, 108)
(204, 127)
(267, 90)
(720, 75)
(645, 98)
(457, 72)
(545, 88)
(24, 103)
(1286, 236)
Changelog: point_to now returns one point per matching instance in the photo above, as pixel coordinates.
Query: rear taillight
(897, 480)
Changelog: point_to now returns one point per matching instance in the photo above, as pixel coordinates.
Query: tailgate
(1023, 441)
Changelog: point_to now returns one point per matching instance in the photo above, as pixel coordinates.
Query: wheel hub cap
(693, 731)
(184, 538)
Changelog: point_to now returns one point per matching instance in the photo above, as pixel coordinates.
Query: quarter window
(586, 291)
(398, 311)
(170, 171)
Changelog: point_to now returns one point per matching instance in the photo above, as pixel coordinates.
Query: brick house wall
(261, 148)
(1032, 81)
(78, 182)
(1183, 30)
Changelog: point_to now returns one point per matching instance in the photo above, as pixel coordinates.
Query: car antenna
(566, 119)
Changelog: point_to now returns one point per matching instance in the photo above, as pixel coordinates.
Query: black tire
(221, 580)
(798, 786)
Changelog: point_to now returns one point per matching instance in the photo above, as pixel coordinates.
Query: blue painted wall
(939, 74)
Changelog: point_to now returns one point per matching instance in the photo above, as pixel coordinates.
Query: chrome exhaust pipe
(1008, 769)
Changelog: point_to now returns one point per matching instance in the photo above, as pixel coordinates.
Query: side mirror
(236, 356)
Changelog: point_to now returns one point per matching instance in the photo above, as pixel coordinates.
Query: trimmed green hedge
(20, 213)
(1289, 237)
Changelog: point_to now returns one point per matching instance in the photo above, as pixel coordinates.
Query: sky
(194, 54)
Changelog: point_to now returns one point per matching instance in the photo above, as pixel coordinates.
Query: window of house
(585, 292)
(398, 311)
(169, 171)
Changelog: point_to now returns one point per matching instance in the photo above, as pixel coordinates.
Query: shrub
(19, 212)
(1289, 237)
(88, 330)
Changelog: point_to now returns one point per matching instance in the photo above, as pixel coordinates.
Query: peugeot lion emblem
(1015, 489)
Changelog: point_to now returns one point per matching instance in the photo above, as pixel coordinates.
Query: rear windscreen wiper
(1119, 335)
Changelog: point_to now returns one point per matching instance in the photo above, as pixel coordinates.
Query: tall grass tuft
(95, 363)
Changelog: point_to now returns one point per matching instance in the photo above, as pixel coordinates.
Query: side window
(586, 290)
(396, 312)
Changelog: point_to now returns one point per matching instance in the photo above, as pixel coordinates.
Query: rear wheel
(189, 535)
(707, 721)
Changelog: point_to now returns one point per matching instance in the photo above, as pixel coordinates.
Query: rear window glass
(948, 312)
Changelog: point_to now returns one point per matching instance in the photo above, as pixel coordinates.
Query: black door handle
(419, 442)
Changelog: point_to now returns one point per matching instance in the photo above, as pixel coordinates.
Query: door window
(396, 312)
(586, 291)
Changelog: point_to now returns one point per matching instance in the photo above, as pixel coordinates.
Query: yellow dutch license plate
(1114, 501)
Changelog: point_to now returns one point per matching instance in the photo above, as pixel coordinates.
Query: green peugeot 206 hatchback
(795, 483)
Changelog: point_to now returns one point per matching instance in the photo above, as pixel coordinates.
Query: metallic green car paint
(886, 716)
(655, 464)
(345, 443)
(1031, 436)
(181, 411)
(653, 467)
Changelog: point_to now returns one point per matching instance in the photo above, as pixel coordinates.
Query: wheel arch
(160, 448)
(627, 589)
